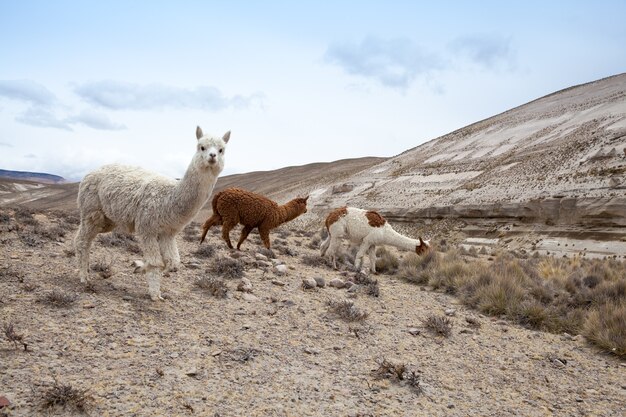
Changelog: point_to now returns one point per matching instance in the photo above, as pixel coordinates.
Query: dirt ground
(278, 350)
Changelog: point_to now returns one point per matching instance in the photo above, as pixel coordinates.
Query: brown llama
(234, 205)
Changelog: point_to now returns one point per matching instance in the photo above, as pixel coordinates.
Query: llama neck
(286, 212)
(191, 193)
(393, 238)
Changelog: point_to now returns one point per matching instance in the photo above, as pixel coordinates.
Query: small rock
(336, 283)
(260, 257)
(450, 406)
(192, 372)
(308, 283)
(567, 336)
(352, 288)
(249, 297)
(216, 353)
(174, 355)
(450, 312)
(414, 331)
(127, 298)
(280, 269)
(321, 282)
(311, 351)
(264, 264)
(89, 305)
(277, 282)
(348, 284)
(276, 262)
(245, 285)
(192, 265)
(4, 402)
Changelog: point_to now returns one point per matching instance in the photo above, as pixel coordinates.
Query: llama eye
(221, 150)
(201, 148)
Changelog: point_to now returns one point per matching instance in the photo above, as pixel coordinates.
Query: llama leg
(365, 245)
(244, 234)
(152, 256)
(372, 256)
(264, 231)
(169, 254)
(82, 243)
(324, 246)
(332, 249)
(211, 221)
(226, 228)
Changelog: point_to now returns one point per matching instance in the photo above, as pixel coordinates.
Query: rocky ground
(274, 348)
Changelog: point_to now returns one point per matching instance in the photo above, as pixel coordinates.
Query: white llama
(366, 229)
(154, 207)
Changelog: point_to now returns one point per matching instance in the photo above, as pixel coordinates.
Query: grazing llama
(234, 205)
(154, 207)
(367, 229)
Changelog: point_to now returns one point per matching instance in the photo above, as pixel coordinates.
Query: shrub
(65, 395)
(386, 262)
(58, 298)
(605, 327)
(228, 268)
(347, 310)
(440, 325)
(205, 251)
(215, 287)
(121, 241)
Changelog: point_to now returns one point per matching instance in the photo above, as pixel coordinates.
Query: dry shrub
(440, 325)
(390, 370)
(386, 262)
(24, 216)
(316, 260)
(315, 242)
(228, 268)
(57, 298)
(103, 268)
(606, 327)
(16, 339)
(215, 287)
(205, 251)
(4, 218)
(66, 396)
(346, 310)
(54, 233)
(418, 269)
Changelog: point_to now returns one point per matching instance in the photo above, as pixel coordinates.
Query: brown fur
(374, 219)
(234, 205)
(335, 215)
(423, 247)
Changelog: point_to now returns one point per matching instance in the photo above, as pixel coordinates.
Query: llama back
(250, 208)
(123, 193)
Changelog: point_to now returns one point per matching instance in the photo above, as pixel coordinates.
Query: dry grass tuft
(103, 268)
(606, 327)
(205, 251)
(315, 260)
(397, 372)
(66, 396)
(440, 325)
(346, 310)
(386, 261)
(228, 268)
(215, 287)
(16, 339)
(57, 298)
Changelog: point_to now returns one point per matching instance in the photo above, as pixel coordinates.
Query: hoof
(139, 266)
(157, 297)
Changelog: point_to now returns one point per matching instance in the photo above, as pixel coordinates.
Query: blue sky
(84, 83)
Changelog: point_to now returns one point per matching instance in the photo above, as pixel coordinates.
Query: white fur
(355, 227)
(152, 206)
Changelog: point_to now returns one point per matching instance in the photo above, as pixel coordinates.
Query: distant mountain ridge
(32, 176)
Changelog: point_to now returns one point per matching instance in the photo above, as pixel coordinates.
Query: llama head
(423, 247)
(297, 206)
(210, 151)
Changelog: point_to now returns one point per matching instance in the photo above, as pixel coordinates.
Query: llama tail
(211, 221)
(325, 244)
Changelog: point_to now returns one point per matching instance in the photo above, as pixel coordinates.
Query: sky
(86, 83)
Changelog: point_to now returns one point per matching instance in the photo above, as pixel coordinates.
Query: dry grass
(558, 295)
(103, 268)
(66, 396)
(228, 268)
(57, 298)
(13, 337)
(120, 241)
(346, 310)
(205, 251)
(386, 261)
(397, 372)
(440, 325)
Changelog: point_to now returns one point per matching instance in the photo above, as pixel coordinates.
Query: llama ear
(199, 133)
(306, 198)
(421, 241)
(226, 137)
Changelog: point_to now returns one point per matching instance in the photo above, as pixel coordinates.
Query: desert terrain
(519, 309)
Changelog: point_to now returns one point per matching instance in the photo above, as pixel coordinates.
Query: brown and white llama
(234, 205)
(366, 229)
(154, 207)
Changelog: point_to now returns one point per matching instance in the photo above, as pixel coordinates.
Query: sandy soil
(277, 350)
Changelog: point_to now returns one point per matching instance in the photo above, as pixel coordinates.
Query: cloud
(28, 91)
(117, 95)
(392, 62)
(95, 121)
(485, 50)
(8, 145)
(40, 117)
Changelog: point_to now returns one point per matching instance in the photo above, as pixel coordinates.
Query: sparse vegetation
(558, 295)
(57, 298)
(54, 233)
(346, 310)
(397, 372)
(228, 268)
(214, 286)
(386, 261)
(13, 337)
(315, 260)
(440, 325)
(103, 268)
(66, 396)
(205, 251)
